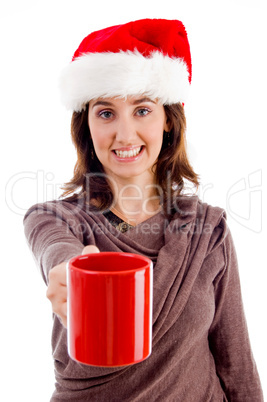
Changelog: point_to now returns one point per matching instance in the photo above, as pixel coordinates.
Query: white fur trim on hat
(96, 75)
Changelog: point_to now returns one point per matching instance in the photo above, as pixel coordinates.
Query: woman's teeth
(128, 154)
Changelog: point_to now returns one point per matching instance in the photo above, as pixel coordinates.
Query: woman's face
(127, 135)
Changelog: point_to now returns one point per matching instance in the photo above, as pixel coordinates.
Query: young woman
(126, 86)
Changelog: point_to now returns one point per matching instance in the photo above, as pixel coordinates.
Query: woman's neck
(135, 203)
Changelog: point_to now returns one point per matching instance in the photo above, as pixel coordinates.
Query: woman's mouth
(128, 153)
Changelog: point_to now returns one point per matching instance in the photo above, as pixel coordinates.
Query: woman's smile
(128, 154)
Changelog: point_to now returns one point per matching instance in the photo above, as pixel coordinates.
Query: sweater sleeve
(52, 235)
(228, 336)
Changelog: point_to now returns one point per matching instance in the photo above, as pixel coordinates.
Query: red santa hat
(148, 57)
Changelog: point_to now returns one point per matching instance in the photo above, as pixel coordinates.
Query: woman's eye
(143, 112)
(105, 114)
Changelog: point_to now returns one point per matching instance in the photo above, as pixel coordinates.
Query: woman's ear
(167, 125)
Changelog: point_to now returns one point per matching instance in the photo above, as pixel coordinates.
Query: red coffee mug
(109, 308)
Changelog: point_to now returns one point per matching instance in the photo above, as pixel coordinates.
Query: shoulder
(201, 221)
(213, 223)
(61, 208)
(207, 223)
(56, 208)
(74, 216)
(191, 208)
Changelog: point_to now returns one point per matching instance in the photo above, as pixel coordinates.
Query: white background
(226, 134)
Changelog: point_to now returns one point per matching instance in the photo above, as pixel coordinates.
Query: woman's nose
(125, 131)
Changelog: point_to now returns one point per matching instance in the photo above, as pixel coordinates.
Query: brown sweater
(201, 350)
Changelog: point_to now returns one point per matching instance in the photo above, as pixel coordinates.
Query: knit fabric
(201, 350)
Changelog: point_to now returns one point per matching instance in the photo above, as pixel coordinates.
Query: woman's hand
(57, 287)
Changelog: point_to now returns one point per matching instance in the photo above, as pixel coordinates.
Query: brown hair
(171, 168)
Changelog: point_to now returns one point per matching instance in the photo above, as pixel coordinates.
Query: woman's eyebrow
(137, 101)
(102, 103)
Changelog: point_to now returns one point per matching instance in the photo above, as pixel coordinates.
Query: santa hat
(148, 57)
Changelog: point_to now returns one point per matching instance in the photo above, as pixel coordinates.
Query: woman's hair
(171, 169)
